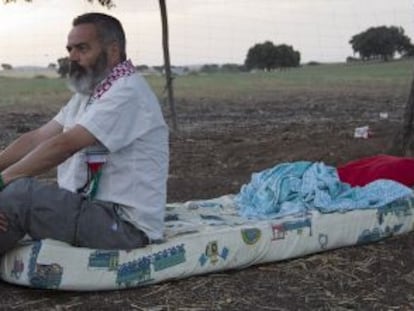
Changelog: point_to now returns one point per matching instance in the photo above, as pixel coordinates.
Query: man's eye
(83, 48)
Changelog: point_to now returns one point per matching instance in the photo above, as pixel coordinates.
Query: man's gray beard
(84, 80)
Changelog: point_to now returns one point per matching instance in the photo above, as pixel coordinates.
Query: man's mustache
(76, 70)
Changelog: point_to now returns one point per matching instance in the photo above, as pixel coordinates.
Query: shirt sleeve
(64, 115)
(60, 117)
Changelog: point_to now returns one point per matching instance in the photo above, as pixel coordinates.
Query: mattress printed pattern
(202, 237)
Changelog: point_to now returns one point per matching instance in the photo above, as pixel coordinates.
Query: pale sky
(202, 31)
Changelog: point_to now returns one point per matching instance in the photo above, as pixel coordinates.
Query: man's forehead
(82, 33)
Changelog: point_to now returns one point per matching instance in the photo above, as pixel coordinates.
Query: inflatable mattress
(202, 237)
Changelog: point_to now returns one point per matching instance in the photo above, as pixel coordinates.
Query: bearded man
(110, 144)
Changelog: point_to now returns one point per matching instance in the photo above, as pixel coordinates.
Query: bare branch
(108, 3)
(8, 1)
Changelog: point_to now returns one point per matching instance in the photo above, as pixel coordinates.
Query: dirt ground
(218, 147)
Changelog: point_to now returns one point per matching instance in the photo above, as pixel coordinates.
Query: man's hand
(3, 222)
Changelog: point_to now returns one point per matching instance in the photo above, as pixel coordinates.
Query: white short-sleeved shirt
(125, 117)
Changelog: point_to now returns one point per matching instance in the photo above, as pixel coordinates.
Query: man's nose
(73, 55)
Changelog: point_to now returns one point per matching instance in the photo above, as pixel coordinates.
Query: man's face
(88, 59)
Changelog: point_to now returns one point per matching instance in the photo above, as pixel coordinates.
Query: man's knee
(17, 191)
(14, 206)
(40, 209)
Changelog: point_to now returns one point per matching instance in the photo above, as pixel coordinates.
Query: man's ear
(114, 51)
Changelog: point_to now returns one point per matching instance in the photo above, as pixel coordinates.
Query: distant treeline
(376, 43)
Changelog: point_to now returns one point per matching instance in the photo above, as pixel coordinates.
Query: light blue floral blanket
(296, 187)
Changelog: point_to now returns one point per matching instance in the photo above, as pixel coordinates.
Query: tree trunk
(403, 144)
(167, 64)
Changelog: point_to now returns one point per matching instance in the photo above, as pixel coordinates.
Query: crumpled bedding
(297, 187)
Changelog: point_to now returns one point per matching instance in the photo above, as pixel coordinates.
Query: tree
(167, 63)
(267, 56)
(231, 67)
(63, 69)
(141, 67)
(159, 69)
(287, 56)
(6, 66)
(381, 43)
(403, 143)
(261, 56)
(409, 52)
(210, 68)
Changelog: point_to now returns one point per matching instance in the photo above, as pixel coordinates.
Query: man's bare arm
(49, 154)
(27, 142)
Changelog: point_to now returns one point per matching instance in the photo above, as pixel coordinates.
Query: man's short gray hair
(108, 27)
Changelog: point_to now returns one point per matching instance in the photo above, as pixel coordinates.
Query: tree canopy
(108, 3)
(381, 43)
(267, 56)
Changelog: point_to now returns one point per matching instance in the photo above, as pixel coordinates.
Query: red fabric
(94, 167)
(363, 171)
